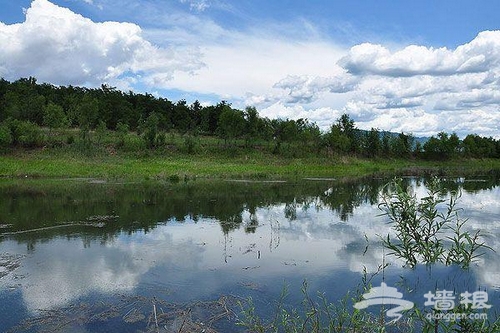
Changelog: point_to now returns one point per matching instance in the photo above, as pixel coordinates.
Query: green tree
(283, 131)
(181, 117)
(113, 106)
(87, 112)
(443, 147)
(253, 124)
(347, 127)
(12, 105)
(386, 144)
(150, 131)
(402, 145)
(337, 140)
(309, 134)
(231, 124)
(373, 145)
(23, 101)
(54, 116)
(479, 147)
(209, 117)
(344, 137)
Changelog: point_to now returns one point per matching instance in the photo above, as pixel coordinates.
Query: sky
(417, 67)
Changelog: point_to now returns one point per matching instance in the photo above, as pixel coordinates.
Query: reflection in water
(199, 240)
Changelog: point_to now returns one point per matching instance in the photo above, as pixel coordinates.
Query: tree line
(26, 106)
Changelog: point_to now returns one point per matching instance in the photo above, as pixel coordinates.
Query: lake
(84, 255)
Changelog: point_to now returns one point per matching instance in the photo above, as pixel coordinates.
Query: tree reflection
(47, 206)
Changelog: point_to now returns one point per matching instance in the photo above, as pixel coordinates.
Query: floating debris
(250, 267)
(102, 218)
(286, 263)
(154, 314)
(250, 248)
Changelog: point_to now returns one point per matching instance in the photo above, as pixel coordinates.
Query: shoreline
(174, 168)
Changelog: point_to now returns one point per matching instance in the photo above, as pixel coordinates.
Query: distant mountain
(420, 139)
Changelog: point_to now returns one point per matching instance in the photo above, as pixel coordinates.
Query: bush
(5, 136)
(122, 130)
(25, 133)
(189, 144)
(100, 132)
(150, 130)
(31, 135)
(425, 234)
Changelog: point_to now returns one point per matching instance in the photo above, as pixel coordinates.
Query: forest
(34, 115)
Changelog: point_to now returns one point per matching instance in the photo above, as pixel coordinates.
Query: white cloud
(61, 47)
(198, 5)
(243, 65)
(480, 55)
(323, 116)
(116, 267)
(415, 89)
(305, 89)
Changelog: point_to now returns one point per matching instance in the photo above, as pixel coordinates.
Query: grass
(53, 163)
(110, 156)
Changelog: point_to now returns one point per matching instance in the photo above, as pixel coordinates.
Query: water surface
(87, 256)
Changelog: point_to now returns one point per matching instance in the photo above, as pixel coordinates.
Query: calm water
(86, 256)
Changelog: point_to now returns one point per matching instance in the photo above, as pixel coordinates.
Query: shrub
(25, 133)
(189, 144)
(122, 131)
(30, 135)
(425, 234)
(5, 136)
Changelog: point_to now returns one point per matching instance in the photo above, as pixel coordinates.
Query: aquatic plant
(428, 230)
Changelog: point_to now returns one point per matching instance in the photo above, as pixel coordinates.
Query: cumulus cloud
(305, 89)
(418, 89)
(61, 47)
(462, 79)
(480, 55)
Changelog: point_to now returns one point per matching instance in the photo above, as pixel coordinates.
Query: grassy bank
(52, 163)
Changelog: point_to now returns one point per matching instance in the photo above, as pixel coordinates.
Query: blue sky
(439, 23)
(413, 66)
